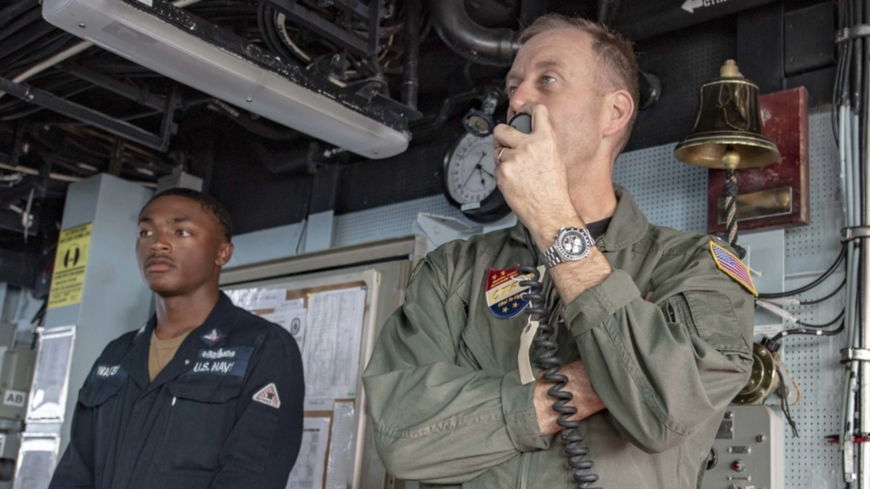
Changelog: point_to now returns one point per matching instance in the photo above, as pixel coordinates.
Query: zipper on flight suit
(671, 313)
(523, 470)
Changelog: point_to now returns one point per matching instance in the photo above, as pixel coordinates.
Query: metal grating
(673, 194)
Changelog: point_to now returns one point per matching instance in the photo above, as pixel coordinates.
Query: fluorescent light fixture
(153, 43)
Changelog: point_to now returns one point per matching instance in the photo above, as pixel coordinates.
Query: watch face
(469, 170)
(573, 244)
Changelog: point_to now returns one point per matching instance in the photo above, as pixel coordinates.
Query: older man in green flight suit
(655, 334)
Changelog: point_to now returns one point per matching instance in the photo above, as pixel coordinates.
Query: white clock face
(471, 170)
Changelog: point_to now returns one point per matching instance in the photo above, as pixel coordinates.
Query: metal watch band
(555, 254)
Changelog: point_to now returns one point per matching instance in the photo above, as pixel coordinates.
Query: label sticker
(70, 263)
(14, 398)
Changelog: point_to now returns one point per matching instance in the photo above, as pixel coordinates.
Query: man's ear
(618, 109)
(225, 253)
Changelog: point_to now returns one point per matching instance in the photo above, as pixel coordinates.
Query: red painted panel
(785, 121)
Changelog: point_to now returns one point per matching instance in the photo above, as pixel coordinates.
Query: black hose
(826, 325)
(807, 332)
(19, 23)
(24, 37)
(823, 299)
(410, 79)
(17, 8)
(545, 339)
(814, 284)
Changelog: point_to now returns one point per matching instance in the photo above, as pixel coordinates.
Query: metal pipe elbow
(494, 47)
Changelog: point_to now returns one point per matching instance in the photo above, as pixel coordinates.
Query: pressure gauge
(469, 179)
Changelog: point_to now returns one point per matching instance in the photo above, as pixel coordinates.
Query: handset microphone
(545, 339)
(522, 123)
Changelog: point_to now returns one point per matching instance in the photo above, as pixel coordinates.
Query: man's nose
(160, 242)
(523, 94)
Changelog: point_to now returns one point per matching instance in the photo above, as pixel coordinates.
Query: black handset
(545, 339)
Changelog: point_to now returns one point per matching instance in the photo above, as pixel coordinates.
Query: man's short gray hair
(615, 55)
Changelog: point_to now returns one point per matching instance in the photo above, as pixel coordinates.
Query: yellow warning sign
(69, 266)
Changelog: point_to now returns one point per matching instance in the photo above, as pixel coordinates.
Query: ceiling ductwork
(487, 46)
(173, 43)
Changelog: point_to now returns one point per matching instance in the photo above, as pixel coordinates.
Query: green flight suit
(665, 339)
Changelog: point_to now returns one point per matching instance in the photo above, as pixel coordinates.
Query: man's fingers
(540, 119)
(506, 136)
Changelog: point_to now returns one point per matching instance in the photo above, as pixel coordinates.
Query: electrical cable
(823, 299)
(826, 325)
(545, 339)
(814, 284)
(807, 332)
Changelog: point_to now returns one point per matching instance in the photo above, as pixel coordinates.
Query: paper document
(332, 343)
(292, 318)
(311, 463)
(340, 466)
(257, 299)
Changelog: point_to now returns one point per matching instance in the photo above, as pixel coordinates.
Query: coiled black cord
(545, 338)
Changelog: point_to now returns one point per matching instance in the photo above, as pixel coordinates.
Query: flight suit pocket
(199, 422)
(714, 319)
(101, 398)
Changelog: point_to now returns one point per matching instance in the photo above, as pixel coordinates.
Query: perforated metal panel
(674, 194)
(670, 193)
(811, 463)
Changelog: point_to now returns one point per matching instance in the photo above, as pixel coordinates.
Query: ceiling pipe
(494, 47)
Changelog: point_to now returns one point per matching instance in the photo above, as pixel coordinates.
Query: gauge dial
(470, 170)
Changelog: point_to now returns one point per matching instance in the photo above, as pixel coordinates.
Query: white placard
(51, 376)
(36, 460)
(332, 343)
(311, 463)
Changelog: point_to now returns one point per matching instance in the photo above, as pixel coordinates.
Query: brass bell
(727, 136)
(727, 133)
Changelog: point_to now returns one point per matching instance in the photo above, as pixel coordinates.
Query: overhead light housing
(185, 48)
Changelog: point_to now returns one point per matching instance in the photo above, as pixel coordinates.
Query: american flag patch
(733, 267)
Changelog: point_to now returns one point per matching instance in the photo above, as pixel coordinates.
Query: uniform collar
(136, 362)
(626, 228)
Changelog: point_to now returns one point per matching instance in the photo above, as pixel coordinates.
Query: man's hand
(532, 177)
(585, 399)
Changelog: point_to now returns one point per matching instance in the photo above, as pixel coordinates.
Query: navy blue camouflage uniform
(225, 413)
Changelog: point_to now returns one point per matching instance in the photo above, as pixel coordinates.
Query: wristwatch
(572, 244)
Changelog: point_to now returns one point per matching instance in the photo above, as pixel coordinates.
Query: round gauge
(470, 170)
(469, 179)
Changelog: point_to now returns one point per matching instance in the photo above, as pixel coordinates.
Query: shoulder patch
(733, 267)
(269, 396)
